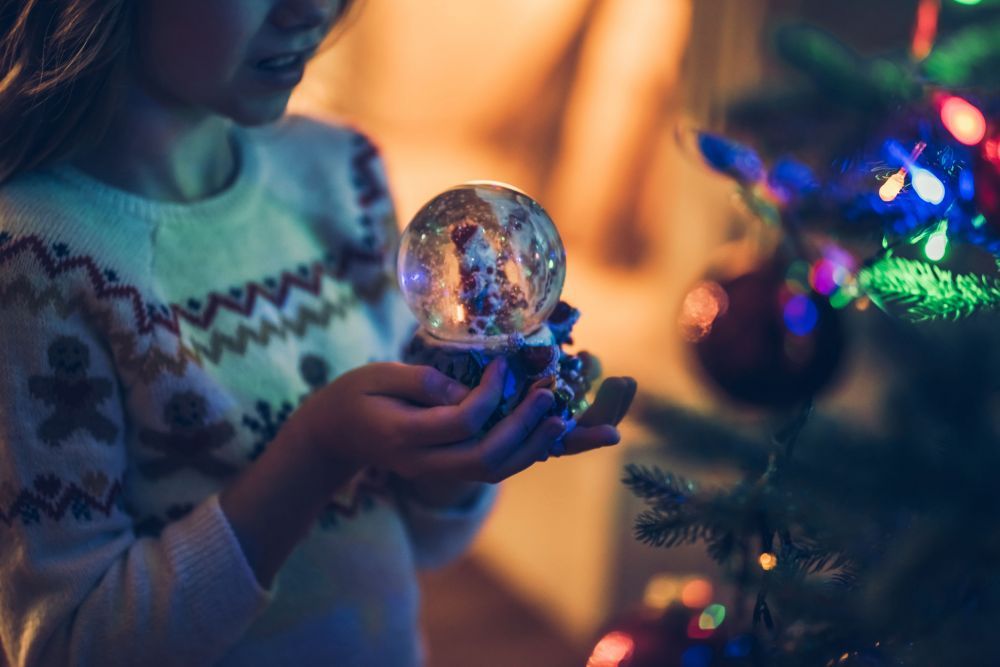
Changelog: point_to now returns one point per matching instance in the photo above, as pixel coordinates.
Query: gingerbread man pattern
(189, 441)
(73, 395)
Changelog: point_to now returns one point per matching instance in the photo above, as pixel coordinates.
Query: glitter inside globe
(480, 262)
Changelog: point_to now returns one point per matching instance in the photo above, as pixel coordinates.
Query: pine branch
(652, 484)
(667, 530)
(966, 58)
(927, 291)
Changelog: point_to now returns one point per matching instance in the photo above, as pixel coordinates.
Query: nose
(304, 14)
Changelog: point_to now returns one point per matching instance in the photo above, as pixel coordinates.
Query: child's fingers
(585, 438)
(478, 458)
(512, 431)
(490, 462)
(612, 402)
(535, 448)
(422, 385)
(453, 423)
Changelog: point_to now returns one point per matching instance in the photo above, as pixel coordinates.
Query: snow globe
(481, 266)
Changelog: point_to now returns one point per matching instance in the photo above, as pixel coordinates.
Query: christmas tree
(876, 182)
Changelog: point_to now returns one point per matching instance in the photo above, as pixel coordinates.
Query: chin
(260, 112)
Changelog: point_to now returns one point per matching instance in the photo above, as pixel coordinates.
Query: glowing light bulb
(965, 122)
(768, 561)
(613, 649)
(892, 186)
(936, 246)
(928, 186)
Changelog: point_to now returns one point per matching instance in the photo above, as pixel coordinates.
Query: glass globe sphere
(481, 261)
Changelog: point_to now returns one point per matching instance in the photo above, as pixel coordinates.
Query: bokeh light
(967, 185)
(965, 122)
(697, 593)
(696, 656)
(612, 650)
(700, 308)
(660, 591)
(695, 631)
(925, 31)
(712, 617)
(801, 315)
(768, 561)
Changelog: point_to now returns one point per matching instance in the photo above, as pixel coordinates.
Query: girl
(207, 452)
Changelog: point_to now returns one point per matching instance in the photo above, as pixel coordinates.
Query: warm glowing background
(577, 103)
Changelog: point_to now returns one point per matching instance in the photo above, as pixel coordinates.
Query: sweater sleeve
(440, 535)
(76, 585)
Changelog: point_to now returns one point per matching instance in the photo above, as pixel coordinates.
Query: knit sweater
(151, 350)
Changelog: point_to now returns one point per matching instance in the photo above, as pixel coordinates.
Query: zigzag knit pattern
(51, 497)
(145, 318)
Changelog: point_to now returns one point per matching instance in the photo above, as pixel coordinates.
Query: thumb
(612, 402)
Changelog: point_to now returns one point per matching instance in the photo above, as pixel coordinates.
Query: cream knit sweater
(148, 352)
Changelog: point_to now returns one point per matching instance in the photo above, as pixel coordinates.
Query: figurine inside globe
(481, 262)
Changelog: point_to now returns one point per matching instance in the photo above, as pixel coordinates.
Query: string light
(768, 561)
(928, 186)
(965, 122)
(937, 243)
(892, 186)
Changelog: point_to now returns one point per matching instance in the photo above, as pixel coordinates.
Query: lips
(289, 60)
(282, 62)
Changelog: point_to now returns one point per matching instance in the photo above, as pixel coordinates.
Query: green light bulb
(936, 245)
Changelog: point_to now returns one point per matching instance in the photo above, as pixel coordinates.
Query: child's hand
(416, 421)
(596, 428)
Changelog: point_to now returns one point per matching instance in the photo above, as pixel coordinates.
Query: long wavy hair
(62, 71)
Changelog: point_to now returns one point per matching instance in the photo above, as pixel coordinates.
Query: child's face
(235, 58)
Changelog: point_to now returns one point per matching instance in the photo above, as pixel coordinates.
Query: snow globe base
(533, 360)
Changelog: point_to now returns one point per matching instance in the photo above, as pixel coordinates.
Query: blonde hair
(62, 69)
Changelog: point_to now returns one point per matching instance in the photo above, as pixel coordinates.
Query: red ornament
(986, 173)
(761, 339)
